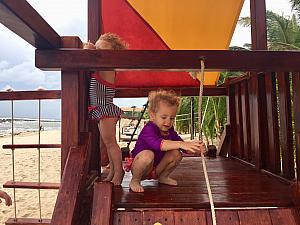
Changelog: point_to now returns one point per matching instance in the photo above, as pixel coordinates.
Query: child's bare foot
(118, 178)
(110, 175)
(136, 186)
(167, 180)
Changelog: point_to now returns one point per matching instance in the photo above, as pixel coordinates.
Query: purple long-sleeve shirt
(150, 138)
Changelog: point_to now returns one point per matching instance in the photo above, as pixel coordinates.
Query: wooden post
(259, 42)
(94, 31)
(70, 101)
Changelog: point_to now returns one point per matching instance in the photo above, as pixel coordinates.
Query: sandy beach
(26, 169)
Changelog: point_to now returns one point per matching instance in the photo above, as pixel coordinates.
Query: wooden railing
(29, 95)
(265, 122)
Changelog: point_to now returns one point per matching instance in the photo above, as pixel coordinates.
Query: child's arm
(190, 146)
(6, 197)
(88, 45)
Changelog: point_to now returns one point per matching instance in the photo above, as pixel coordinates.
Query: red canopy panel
(119, 17)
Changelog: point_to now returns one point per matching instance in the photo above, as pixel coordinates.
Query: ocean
(22, 125)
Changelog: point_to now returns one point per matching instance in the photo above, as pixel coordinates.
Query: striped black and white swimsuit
(101, 94)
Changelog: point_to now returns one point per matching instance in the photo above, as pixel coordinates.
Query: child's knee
(175, 156)
(110, 142)
(145, 157)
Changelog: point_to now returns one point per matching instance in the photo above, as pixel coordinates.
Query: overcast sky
(69, 17)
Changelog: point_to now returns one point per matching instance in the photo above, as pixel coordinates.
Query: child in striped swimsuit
(102, 109)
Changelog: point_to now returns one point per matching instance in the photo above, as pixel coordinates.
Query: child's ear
(152, 115)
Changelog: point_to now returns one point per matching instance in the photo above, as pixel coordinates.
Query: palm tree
(283, 32)
(296, 7)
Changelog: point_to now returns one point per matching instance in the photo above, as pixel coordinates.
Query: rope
(13, 158)
(212, 207)
(39, 163)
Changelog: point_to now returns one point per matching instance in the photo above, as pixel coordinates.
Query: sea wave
(21, 125)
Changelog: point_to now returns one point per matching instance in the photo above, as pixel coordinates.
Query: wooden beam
(21, 18)
(30, 95)
(182, 91)
(175, 60)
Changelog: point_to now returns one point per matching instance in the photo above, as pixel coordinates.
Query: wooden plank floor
(233, 185)
(280, 216)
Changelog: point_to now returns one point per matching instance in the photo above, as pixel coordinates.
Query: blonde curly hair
(169, 97)
(114, 40)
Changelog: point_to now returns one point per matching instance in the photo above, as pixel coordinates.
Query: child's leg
(104, 153)
(108, 134)
(168, 163)
(141, 166)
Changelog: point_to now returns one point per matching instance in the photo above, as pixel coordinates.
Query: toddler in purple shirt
(157, 150)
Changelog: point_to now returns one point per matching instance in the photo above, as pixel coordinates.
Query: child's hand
(88, 45)
(6, 197)
(195, 147)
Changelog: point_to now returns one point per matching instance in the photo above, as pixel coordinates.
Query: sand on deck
(26, 169)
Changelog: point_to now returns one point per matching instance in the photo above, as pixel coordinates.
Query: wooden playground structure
(254, 179)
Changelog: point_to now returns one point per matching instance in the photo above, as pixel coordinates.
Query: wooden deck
(233, 185)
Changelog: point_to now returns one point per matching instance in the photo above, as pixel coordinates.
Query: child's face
(164, 117)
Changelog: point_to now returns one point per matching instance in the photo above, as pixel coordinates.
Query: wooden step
(102, 203)
(279, 216)
(31, 185)
(31, 146)
(27, 221)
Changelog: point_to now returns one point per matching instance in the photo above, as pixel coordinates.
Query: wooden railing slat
(239, 121)
(231, 118)
(286, 132)
(31, 185)
(27, 221)
(273, 150)
(296, 108)
(246, 120)
(20, 146)
(30, 95)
